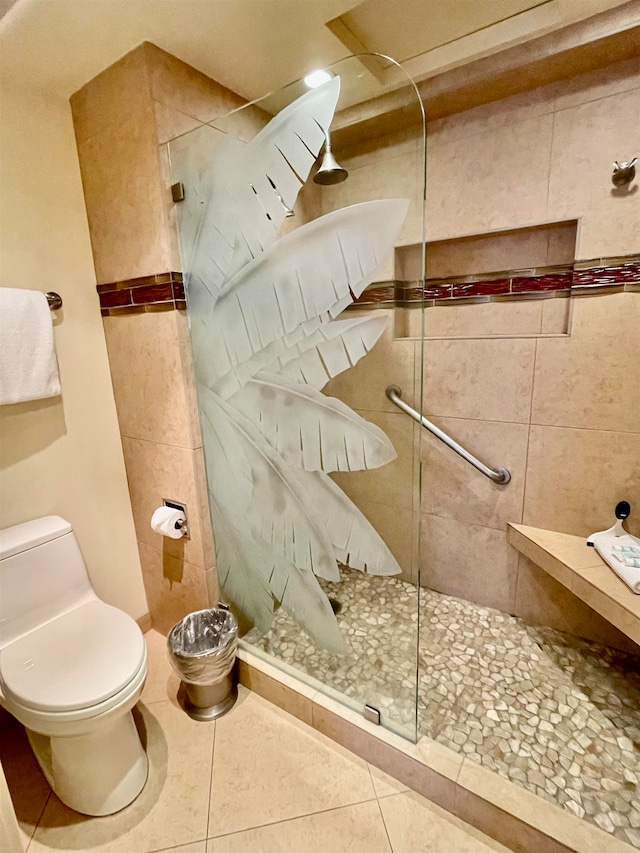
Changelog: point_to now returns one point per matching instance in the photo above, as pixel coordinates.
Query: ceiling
(429, 24)
(254, 46)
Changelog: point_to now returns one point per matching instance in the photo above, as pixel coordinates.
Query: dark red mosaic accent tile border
(153, 292)
(606, 275)
(159, 278)
(165, 291)
(600, 273)
(559, 281)
(382, 293)
(481, 288)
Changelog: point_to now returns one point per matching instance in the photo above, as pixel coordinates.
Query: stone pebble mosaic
(555, 714)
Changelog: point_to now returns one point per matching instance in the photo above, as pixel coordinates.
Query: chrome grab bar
(499, 475)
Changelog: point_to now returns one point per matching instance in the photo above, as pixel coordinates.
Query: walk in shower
(312, 309)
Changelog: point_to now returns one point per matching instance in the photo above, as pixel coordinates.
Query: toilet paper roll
(167, 521)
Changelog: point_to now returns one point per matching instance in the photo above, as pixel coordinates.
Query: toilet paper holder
(182, 526)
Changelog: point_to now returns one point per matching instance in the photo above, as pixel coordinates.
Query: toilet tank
(42, 575)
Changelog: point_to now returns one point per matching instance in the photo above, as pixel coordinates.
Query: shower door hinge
(372, 714)
(177, 191)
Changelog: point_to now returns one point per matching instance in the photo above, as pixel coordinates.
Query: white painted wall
(62, 456)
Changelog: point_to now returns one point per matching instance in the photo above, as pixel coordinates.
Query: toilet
(71, 669)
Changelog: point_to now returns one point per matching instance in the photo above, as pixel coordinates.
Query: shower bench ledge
(572, 563)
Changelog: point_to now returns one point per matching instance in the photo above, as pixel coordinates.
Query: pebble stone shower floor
(552, 713)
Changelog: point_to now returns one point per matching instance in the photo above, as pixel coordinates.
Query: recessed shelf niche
(509, 283)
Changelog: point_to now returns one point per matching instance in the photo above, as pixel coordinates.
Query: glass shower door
(296, 330)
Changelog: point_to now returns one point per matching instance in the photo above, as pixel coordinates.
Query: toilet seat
(74, 663)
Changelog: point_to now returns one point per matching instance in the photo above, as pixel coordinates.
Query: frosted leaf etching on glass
(262, 312)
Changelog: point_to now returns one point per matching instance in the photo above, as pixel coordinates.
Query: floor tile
(384, 784)
(558, 706)
(162, 682)
(27, 785)
(198, 847)
(172, 808)
(269, 767)
(356, 829)
(415, 825)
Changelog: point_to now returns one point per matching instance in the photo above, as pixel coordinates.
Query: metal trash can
(202, 650)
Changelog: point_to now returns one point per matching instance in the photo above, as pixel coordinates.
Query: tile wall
(121, 119)
(561, 413)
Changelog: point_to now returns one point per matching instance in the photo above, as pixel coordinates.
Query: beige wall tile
(156, 471)
(559, 554)
(122, 189)
(521, 819)
(183, 88)
(171, 122)
(561, 248)
(148, 378)
(213, 587)
(451, 488)
(575, 477)
(601, 83)
(504, 827)
(485, 379)
(591, 379)
(188, 377)
(468, 561)
(273, 691)
(473, 184)
(244, 123)
(358, 829)
(396, 177)
(390, 362)
(397, 529)
(162, 681)
(496, 115)
(586, 139)
(368, 151)
(174, 587)
(202, 506)
(119, 92)
(391, 485)
(556, 316)
(170, 209)
(484, 319)
(487, 254)
(542, 600)
(601, 589)
(437, 787)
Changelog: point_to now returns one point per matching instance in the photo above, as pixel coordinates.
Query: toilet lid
(78, 660)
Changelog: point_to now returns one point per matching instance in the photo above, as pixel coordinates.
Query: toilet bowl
(71, 669)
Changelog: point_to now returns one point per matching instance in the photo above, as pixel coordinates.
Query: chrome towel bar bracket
(499, 475)
(54, 300)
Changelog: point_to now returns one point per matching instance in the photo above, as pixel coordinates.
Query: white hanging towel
(28, 366)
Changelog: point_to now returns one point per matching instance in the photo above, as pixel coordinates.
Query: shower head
(330, 171)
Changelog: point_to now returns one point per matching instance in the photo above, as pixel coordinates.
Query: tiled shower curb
(506, 812)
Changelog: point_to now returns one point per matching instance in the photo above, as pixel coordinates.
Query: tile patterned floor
(554, 714)
(256, 781)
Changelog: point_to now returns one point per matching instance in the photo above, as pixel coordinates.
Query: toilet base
(97, 773)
